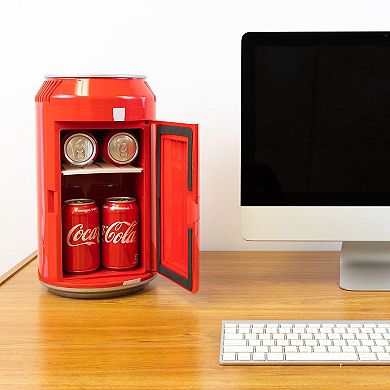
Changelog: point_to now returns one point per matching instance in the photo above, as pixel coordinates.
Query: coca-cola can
(79, 149)
(119, 148)
(120, 231)
(81, 231)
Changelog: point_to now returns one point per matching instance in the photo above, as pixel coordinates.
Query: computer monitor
(315, 145)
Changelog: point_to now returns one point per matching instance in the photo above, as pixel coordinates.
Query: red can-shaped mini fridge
(163, 178)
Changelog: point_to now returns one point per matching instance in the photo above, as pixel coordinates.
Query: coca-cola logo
(78, 236)
(120, 232)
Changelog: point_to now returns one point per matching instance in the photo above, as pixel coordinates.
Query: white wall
(191, 53)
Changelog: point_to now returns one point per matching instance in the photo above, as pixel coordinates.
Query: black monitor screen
(315, 119)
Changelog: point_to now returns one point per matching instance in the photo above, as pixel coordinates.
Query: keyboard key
(378, 349)
(268, 342)
(311, 343)
(382, 343)
(325, 343)
(244, 326)
(304, 349)
(333, 349)
(318, 350)
(274, 356)
(276, 349)
(317, 357)
(262, 349)
(253, 342)
(258, 356)
(250, 336)
(234, 342)
(355, 343)
(264, 336)
(383, 356)
(339, 343)
(228, 357)
(368, 342)
(272, 326)
(363, 349)
(233, 336)
(230, 330)
(297, 342)
(282, 343)
(291, 349)
(244, 357)
(230, 325)
(348, 349)
(237, 348)
(367, 356)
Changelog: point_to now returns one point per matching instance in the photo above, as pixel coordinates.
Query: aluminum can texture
(79, 149)
(119, 148)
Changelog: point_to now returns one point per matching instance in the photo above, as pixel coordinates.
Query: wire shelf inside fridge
(98, 167)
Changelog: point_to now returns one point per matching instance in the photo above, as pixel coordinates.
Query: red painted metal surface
(120, 233)
(65, 105)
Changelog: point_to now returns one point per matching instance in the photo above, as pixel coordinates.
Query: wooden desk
(167, 338)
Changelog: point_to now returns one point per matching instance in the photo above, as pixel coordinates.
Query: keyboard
(305, 342)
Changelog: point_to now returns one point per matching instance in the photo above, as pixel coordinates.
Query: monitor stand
(365, 266)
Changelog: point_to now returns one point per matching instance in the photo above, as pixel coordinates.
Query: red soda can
(120, 230)
(119, 148)
(79, 148)
(81, 248)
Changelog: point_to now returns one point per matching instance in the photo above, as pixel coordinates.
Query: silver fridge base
(95, 293)
(365, 266)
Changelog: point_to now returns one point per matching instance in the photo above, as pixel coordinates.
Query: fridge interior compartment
(99, 187)
(99, 163)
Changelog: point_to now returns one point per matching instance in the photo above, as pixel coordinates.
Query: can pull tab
(79, 151)
(123, 150)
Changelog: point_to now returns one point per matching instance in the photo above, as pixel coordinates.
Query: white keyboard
(305, 342)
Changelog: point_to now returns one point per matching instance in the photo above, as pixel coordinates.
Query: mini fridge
(163, 178)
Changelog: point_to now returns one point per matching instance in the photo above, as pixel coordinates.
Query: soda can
(79, 149)
(119, 148)
(120, 233)
(81, 231)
